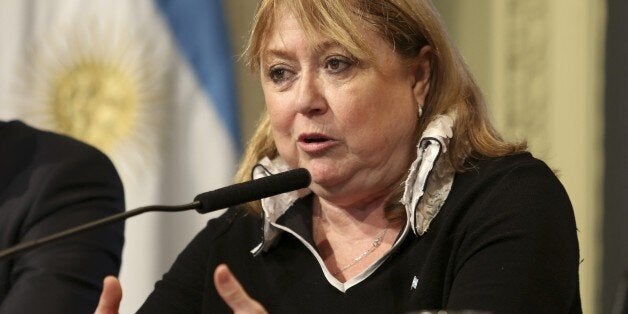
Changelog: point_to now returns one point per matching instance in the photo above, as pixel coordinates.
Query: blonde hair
(408, 26)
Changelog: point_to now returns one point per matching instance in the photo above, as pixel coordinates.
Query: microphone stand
(203, 203)
(95, 224)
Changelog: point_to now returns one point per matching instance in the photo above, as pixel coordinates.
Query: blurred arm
(68, 184)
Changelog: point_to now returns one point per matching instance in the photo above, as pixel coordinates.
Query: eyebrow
(278, 53)
(284, 54)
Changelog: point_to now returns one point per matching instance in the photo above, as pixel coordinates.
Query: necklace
(376, 243)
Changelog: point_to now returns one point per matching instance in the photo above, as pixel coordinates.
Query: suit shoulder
(52, 160)
(20, 139)
(63, 152)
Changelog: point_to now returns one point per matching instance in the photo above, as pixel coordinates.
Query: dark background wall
(615, 260)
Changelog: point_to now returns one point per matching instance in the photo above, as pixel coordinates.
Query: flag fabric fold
(150, 83)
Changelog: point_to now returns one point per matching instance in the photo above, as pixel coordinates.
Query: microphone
(253, 190)
(203, 203)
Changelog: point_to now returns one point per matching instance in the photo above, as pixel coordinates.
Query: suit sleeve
(521, 254)
(78, 186)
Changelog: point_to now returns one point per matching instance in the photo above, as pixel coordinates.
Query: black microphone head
(253, 190)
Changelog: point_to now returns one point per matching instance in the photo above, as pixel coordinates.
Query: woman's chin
(327, 184)
(322, 180)
(322, 174)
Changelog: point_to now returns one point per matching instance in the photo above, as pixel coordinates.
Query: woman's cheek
(286, 147)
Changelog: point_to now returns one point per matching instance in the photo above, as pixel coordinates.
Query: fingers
(110, 297)
(232, 292)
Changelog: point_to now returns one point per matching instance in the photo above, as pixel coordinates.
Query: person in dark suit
(48, 183)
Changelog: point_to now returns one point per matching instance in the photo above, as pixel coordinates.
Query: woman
(415, 202)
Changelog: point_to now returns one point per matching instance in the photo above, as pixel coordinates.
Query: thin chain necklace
(376, 243)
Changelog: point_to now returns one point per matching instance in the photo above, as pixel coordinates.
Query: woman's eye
(279, 74)
(337, 64)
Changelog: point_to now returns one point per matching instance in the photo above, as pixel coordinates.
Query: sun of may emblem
(95, 102)
(99, 76)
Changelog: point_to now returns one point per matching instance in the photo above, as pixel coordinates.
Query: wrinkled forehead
(288, 33)
(320, 26)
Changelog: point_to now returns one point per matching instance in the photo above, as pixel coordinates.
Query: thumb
(110, 297)
(232, 292)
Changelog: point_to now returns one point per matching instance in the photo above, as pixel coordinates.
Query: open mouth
(315, 143)
(315, 139)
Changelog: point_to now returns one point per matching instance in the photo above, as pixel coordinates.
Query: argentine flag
(150, 83)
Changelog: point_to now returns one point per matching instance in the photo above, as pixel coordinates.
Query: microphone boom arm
(203, 203)
(94, 224)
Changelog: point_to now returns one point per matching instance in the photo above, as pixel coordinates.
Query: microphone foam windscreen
(253, 190)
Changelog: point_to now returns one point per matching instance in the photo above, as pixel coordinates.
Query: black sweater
(504, 241)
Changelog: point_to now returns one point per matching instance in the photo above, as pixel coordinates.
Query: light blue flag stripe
(201, 32)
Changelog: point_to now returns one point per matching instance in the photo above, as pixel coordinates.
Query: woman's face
(351, 123)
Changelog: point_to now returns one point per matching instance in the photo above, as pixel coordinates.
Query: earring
(420, 110)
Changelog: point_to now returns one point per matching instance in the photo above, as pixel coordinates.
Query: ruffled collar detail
(431, 175)
(275, 206)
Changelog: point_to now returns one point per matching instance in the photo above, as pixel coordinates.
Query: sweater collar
(426, 188)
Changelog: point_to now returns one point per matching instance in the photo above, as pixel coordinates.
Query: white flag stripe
(159, 128)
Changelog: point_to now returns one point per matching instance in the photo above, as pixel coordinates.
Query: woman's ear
(422, 69)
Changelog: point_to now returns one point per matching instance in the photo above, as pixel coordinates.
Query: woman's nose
(310, 98)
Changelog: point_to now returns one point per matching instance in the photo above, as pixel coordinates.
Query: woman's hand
(232, 292)
(226, 284)
(110, 297)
